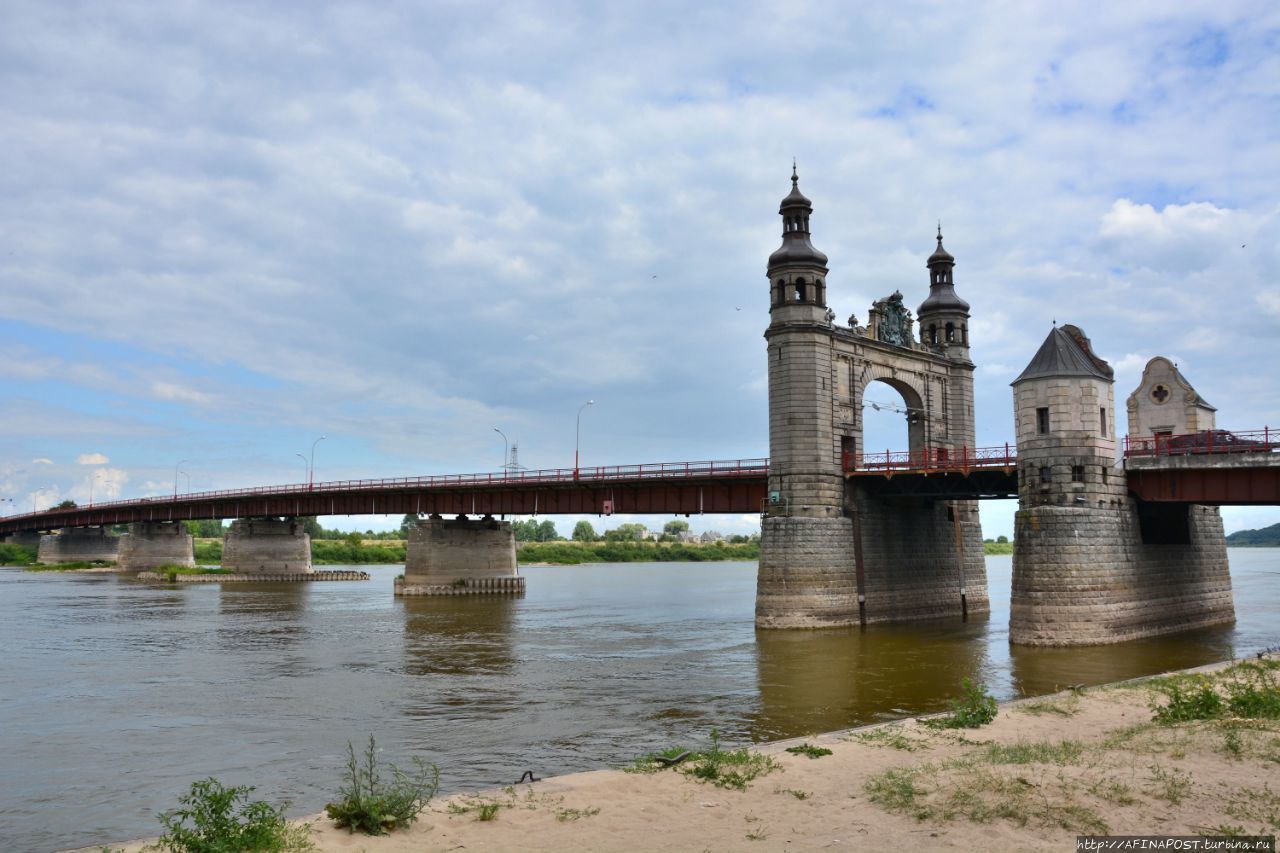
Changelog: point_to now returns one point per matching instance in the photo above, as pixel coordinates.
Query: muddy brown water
(116, 695)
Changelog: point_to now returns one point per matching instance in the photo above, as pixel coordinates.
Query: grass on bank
(73, 566)
(724, 768)
(1068, 784)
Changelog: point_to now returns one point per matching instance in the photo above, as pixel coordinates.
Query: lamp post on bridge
(306, 468)
(175, 477)
(3, 500)
(188, 476)
(577, 435)
(311, 469)
(506, 465)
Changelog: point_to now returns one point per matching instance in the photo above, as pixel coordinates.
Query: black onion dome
(942, 292)
(795, 198)
(940, 255)
(796, 247)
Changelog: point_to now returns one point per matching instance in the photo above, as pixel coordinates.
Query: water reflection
(1038, 670)
(256, 615)
(458, 634)
(815, 681)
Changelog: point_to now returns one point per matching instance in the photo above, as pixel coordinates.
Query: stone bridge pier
(460, 556)
(1092, 565)
(78, 544)
(267, 546)
(24, 539)
(152, 544)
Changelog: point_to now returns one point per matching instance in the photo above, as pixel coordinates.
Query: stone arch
(912, 403)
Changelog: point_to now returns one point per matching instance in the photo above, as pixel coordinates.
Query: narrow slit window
(1102, 419)
(1042, 420)
(1077, 473)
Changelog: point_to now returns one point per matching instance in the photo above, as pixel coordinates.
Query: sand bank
(1043, 771)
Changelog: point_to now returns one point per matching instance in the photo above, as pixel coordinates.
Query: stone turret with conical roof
(944, 316)
(1090, 563)
(1064, 404)
(797, 270)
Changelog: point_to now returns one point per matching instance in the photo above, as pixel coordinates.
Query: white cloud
(41, 461)
(91, 459)
(177, 393)
(488, 220)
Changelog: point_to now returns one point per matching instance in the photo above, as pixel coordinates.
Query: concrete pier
(78, 544)
(25, 539)
(460, 557)
(267, 546)
(152, 544)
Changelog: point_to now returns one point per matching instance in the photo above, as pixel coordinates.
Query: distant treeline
(324, 552)
(16, 555)
(573, 553)
(1267, 537)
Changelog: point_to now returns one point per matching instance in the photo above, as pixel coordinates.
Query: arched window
(951, 333)
(933, 333)
(799, 290)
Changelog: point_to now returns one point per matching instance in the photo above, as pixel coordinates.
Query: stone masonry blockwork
(917, 563)
(460, 556)
(1083, 576)
(807, 576)
(78, 544)
(267, 547)
(150, 545)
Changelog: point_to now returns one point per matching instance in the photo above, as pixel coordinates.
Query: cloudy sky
(227, 229)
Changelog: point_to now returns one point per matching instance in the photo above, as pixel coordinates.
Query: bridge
(667, 488)
(1101, 554)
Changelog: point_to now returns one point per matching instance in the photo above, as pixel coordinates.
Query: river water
(117, 695)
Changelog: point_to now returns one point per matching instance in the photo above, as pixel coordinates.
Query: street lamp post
(188, 476)
(577, 434)
(506, 465)
(92, 479)
(311, 469)
(306, 469)
(175, 477)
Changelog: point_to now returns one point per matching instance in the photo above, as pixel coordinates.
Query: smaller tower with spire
(797, 270)
(944, 316)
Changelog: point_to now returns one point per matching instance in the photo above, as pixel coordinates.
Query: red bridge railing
(932, 459)
(1265, 440)
(723, 469)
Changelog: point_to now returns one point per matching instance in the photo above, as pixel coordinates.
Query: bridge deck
(736, 486)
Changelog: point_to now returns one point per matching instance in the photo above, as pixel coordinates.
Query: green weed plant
(368, 804)
(213, 818)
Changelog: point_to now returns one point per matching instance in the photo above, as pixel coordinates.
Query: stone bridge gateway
(1103, 552)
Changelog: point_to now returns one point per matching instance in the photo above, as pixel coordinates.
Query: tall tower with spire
(806, 574)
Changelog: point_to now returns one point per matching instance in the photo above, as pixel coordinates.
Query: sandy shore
(1043, 771)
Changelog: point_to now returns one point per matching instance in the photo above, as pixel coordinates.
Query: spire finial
(794, 177)
(939, 232)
